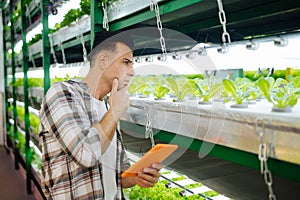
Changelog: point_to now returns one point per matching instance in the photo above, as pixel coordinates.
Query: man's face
(120, 66)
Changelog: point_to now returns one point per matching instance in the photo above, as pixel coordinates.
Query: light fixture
(168, 185)
(252, 45)
(182, 193)
(190, 55)
(162, 58)
(149, 59)
(176, 56)
(222, 49)
(138, 59)
(280, 41)
(202, 51)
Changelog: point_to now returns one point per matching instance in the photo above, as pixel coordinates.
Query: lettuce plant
(248, 88)
(178, 88)
(160, 89)
(208, 88)
(138, 85)
(237, 93)
(280, 93)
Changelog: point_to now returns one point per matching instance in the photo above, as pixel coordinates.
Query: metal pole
(12, 40)
(26, 100)
(96, 20)
(46, 45)
(2, 76)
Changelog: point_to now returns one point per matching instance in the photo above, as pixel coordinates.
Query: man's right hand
(118, 100)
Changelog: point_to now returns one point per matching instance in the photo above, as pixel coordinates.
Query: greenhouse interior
(218, 78)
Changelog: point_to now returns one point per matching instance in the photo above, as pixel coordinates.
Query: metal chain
(82, 41)
(154, 6)
(31, 58)
(222, 18)
(105, 17)
(83, 47)
(63, 52)
(52, 49)
(37, 3)
(271, 139)
(149, 131)
(28, 14)
(263, 157)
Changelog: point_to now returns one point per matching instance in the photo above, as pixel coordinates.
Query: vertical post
(12, 40)
(5, 73)
(3, 76)
(46, 45)
(26, 100)
(96, 20)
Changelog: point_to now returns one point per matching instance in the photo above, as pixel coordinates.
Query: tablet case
(157, 154)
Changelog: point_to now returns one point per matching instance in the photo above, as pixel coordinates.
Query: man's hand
(118, 100)
(149, 176)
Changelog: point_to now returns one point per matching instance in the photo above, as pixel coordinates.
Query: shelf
(199, 19)
(123, 8)
(72, 31)
(34, 143)
(218, 124)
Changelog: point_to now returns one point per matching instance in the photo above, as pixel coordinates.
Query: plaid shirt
(71, 148)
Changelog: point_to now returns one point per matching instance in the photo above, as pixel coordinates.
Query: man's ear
(102, 60)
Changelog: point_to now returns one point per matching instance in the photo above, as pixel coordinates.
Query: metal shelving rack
(22, 59)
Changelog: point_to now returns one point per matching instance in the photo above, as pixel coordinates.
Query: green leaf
(264, 85)
(230, 87)
(173, 85)
(280, 82)
(184, 90)
(296, 81)
(214, 90)
(160, 92)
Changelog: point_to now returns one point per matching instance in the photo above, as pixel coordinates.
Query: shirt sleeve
(64, 115)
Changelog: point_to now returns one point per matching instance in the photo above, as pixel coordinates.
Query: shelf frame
(219, 151)
(25, 61)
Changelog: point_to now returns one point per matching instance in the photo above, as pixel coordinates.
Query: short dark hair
(108, 41)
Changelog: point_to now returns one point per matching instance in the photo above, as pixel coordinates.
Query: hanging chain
(271, 138)
(82, 42)
(263, 157)
(149, 131)
(28, 13)
(105, 17)
(154, 6)
(222, 18)
(63, 52)
(83, 47)
(31, 58)
(52, 49)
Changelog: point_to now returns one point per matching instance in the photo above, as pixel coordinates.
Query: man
(82, 153)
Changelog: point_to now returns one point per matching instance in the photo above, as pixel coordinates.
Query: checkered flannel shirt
(71, 149)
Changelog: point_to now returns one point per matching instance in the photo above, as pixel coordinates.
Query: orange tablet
(155, 155)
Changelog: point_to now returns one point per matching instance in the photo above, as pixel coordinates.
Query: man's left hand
(149, 176)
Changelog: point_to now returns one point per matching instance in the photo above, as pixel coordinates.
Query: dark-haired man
(82, 152)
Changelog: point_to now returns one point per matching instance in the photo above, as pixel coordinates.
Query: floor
(12, 182)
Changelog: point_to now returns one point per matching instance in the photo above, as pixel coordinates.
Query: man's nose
(131, 71)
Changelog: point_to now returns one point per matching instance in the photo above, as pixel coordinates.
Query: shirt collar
(82, 85)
